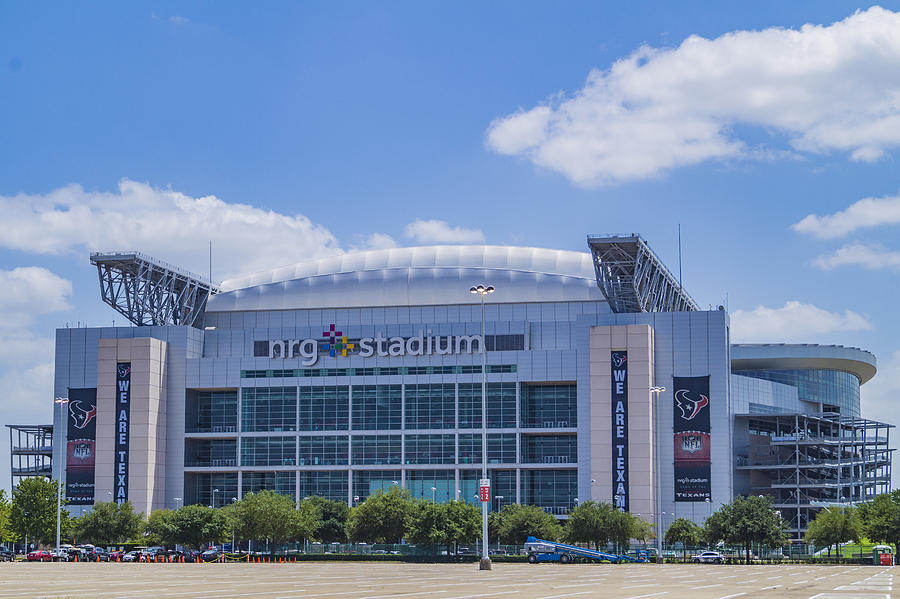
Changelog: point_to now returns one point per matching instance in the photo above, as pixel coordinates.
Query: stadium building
(345, 375)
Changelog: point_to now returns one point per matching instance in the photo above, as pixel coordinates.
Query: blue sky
(286, 131)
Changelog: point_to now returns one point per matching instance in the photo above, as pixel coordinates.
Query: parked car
(98, 554)
(116, 556)
(708, 557)
(210, 555)
(41, 555)
(59, 555)
(77, 554)
(6, 555)
(132, 556)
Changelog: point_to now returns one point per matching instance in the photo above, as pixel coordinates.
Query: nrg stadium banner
(691, 428)
(123, 426)
(81, 439)
(619, 366)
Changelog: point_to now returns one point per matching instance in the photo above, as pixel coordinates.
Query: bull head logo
(81, 413)
(618, 359)
(689, 407)
(123, 370)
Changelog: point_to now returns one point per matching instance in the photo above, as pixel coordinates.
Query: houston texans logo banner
(619, 364)
(81, 438)
(691, 427)
(122, 431)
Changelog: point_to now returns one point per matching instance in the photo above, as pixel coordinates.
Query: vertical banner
(619, 365)
(123, 425)
(81, 437)
(691, 428)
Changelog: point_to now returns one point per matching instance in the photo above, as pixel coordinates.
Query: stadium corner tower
(345, 375)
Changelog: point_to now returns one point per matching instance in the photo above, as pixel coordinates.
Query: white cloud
(824, 88)
(869, 256)
(177, 20)
(164, 223)
(380, 241)
(438, 231)
(867, 212)
(29, 291)
(794, 321)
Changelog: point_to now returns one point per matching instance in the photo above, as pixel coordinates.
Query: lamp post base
(484, 564)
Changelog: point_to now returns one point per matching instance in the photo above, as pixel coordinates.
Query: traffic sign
(485, 485)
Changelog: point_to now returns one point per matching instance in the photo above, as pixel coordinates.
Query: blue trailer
(547, 551)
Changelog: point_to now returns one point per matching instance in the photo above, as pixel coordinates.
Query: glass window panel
(430, 406)
(323, 451)
(331, 485)
(553, 490)
(205, 484)
(211, 411)
(366, 482)
(270, 409)
(324, 408)
(430, 449)
(280, 482)
(549, 449)
(268, 451)
(215, 453)
(501, 405)
(420, 483)
(375, 449)
(549, 406)
(377, 407)
(501, 448)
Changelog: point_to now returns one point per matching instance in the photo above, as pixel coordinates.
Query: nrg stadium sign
(336, 343)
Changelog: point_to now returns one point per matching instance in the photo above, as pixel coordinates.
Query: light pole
(433, 489)
(63, 420)
(214, 498)
(485, 560)
(177, 501)
(233, 522)
(654, 393)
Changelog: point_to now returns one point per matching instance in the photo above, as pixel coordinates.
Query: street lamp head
(657, 389)
(61, 400)
(481, 289)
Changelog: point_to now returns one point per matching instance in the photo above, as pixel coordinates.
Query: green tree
(748, 520)
(332, 516)
(625, 526)
(881, 518)
(272, 516)
(518, 522)
(382, 517)
(444, 523)
(6, 533)
(833, 526)
(197, 525)
(159, 528)
(590, 522)
(686, 532)
(32, 512)
(108, 524)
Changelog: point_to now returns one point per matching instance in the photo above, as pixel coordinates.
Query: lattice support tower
(149, 292)
(633, 278)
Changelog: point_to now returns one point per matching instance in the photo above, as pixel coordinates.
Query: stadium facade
(345, 375)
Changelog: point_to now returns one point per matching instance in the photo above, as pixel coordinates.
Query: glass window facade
(420, 483)
(324, 451)
(430, 406)
(366, 482)
(838, 390)
(503, 484)
(280, 482)
(331, 485)
(324, 408)
(205, 483)
(375, 449)
(549, 406)
(271, 409)
(553, 490)
(501, 405)
(549, 449)
(211, 411)
(268, 451)
(215, 453)
(430, 449)
(377, 407)
(501, 448)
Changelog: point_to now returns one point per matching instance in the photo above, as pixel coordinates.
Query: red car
(39, 556)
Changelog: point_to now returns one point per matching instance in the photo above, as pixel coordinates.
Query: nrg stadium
(344, 375)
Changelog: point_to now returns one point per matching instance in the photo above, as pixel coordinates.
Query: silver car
(708, 557)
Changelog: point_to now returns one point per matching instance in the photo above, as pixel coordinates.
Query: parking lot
(443, 581)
